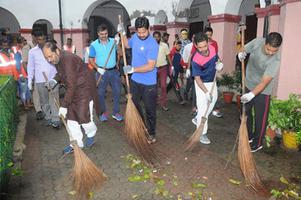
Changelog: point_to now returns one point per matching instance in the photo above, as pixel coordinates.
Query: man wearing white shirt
(37, 65)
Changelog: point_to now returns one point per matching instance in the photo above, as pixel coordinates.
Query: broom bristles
(86, 176)
(136, 132)
(245, 157)
(195, 137)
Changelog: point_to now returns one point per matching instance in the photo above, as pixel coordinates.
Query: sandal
(151, 139)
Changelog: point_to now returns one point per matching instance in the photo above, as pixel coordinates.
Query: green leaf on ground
(234, 182)
(283, 180)
(90, 195)
(160, 182)
(135, 196)
(198, 185)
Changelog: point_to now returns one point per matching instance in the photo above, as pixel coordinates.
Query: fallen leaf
(235, 182)
(72, 192)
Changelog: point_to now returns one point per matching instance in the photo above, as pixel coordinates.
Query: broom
(107, 60)
(245, 157)
(134, 126)
(86, 176)
(195, 137)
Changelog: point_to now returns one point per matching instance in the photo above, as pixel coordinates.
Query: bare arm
(149, 66)
(262, 85)
(200, 83)
(93, 63)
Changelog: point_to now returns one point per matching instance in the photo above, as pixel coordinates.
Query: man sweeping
(77, 105)
(144, 73)
(262, 68)
(205, 63)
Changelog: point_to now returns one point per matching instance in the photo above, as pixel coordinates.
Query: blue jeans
(112, 78)
(23, 90)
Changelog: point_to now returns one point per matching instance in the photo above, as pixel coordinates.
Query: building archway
(104, 12)
(8, 20)
(45, 26)
(198, 16)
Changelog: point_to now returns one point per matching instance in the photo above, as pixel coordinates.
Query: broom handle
(107, 60)
(56, 102)
(124, 57)
(243, 68)
(211, 91)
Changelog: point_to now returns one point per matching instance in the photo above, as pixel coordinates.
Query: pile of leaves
(290, 191)
(165, 181)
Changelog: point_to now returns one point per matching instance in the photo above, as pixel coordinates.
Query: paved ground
(46, 175)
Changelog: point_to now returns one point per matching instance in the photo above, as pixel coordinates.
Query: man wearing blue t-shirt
(144, 73)
(99, 53)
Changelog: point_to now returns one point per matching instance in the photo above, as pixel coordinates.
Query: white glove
(208, 96)
(187, 74)
(120, 28)
(242, 55)
(247, 97)
(50, 84)
(128, 69)
(219, 66)
(29, 85)
(63, 111)
(117, 39)
(101, 71)
(172, 70)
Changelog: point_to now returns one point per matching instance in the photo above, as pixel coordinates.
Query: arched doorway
(247, 12)
(45, 26)
(8, 20)
(104, 12)
(197, 18)
(8, 24)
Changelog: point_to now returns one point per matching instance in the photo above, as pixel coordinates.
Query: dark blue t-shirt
(142, 51)
(204, 66)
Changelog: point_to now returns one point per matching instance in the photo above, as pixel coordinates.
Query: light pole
(61, 23)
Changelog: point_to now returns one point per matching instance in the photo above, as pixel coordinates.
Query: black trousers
(190, 86)
(148, 95)
(260, 104)
(173, 84)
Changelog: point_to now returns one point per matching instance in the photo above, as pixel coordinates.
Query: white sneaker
(204, 139)
(194, 120)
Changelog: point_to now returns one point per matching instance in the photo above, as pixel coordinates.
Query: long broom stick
(107, 60)
(195, 137)
(86, 176)
(245, 157)
(134, 126)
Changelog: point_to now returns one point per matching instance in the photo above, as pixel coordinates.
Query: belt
(108, 69)
(162, 66)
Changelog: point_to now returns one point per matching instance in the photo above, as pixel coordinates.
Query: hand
(219, 66)
(247, 97)
(128, 69)
(242, 55)
(63, 111)
(208, 96)
(101, 71)
(117, 39)
(120, 28)
(29, 85)
(50, 84)
(188, 73)
(172, 70)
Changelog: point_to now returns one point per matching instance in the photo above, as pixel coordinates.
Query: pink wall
(79, 37)
(290, 69)
(260, 23)
(225, 29)
(274, 23)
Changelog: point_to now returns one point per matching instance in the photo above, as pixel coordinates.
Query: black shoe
(255, 147)
(40, 115)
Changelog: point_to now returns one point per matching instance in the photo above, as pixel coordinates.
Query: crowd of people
(188, 68)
